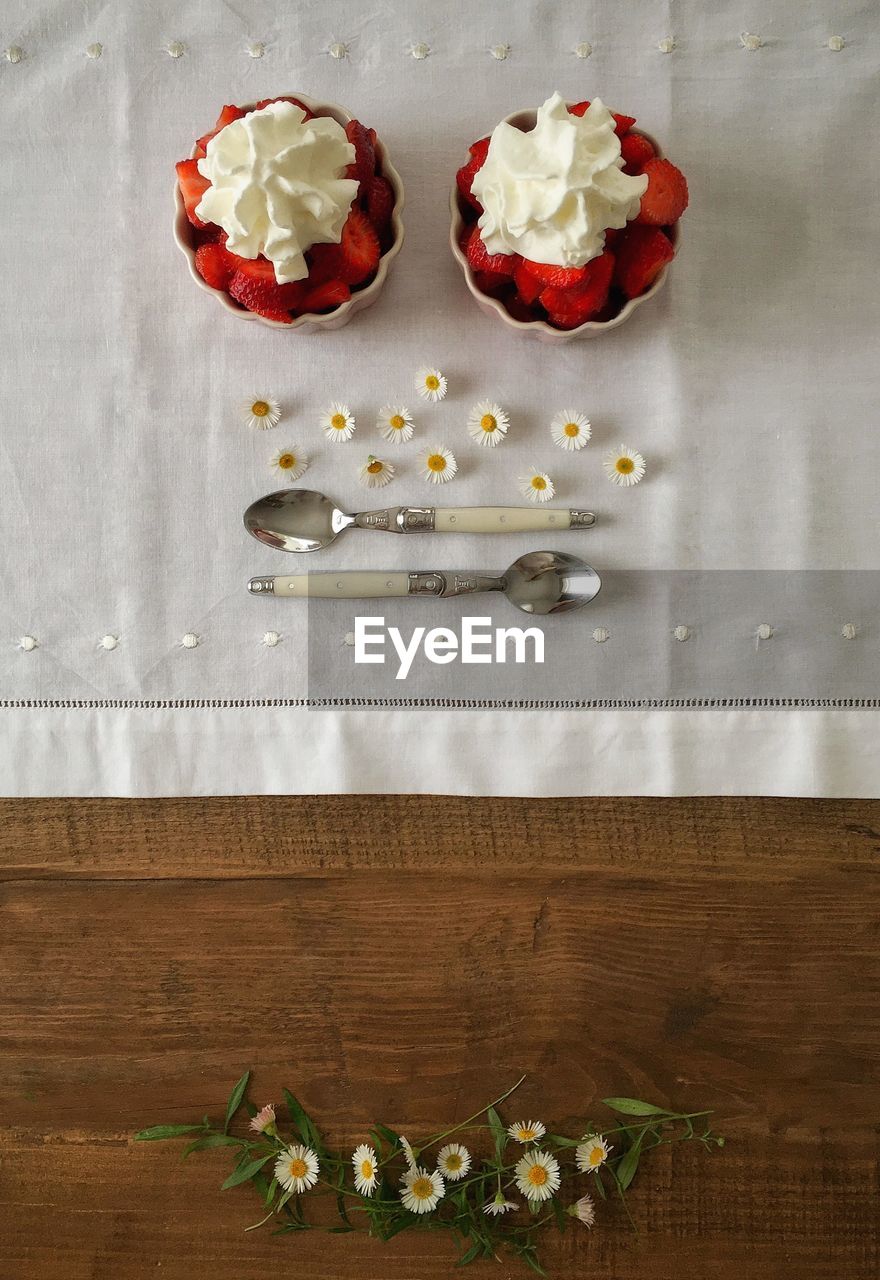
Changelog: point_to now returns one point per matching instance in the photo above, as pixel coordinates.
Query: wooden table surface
(405, 959)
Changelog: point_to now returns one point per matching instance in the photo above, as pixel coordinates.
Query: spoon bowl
(295, 520)
(543, 582)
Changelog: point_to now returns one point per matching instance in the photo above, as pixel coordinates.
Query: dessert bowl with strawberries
(565, 219)
(288, 212)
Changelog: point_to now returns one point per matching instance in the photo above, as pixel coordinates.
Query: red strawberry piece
(253, 284)
(490, 281)
(364, 152)
(579, 108)
(226, 116)
(586, 298)
(358, 249)
(329, 294)
(480, 259)
(464, 178)
(636, 151)
(214, 264)
(667, 195)
(479, 150)
(622, 124)
(325, 263)
(380, 202)
(210, 234)
(641, 255)
(192, 187)
(611, 234)
(528, 286)
(519, 309)
(559, 277)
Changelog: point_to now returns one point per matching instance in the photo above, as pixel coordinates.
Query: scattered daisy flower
(366, 1169)
(584, 1210)
(570, 430)
(453, 1161)
(592, 1153)
(338, 422)
(262, 412)
(296, 1169)
(624, 466)
(494, 1208)
(264, 1120)
(431, 385)
(538, 486)
(290, 462)
(537, 1175)
(375, 474)
(440, 465)
(526, 1131)
(488, 423)
(408, 1154)
(422, 1190)
(395, 423)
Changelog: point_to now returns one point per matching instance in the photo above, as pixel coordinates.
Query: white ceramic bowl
(542, 329)
(313, 322)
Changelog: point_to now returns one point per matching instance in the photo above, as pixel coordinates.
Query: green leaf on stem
(499, 1133)
(210, 1141)
(302, 1122)
(235, 1098)
(625, 1169)
(161, 1131)
(244, 1172)
(632, 1107)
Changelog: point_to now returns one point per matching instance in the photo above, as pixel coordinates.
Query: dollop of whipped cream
(552, 193)
(278, 185)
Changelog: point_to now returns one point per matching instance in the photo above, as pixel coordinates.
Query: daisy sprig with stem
(505, 1197)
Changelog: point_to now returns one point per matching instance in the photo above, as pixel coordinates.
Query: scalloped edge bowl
(542, 329)
(311, 322)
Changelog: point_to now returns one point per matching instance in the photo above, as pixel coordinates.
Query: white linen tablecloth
(749, 383)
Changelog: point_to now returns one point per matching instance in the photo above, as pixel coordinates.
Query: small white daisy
(375, 474)
(584, 1210)
(537, 1175)
(262, 412)
(440, 465)
(291, 463)
(488, 423)
(408, 1154)
(366, 1169)
(296, 1169)
(494, 1208)
(570, 430)
(422, 1190)
(453, 1161)
(624, 466)
(526, 1131)
(395, 423)
(431, 385)
(264, 1120)
(338, 422)
(538, 486)
(592, 1153)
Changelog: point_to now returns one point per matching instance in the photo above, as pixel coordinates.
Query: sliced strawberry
(325, 263)
(214, 264)
(253, 284)
(636, 151)
(380, 202)
(641, 255)
(364, 151)
(192, 187)
(528, 286)
(519, 309)
(586, 298)
(480, 259)
(667, 195)
(579, 108)
(622, 124)
(559, 277)
(479, 150)
(464, 178)
(209, 234)
(358, 249)
(491, 281)
(226, 116)
(611, 234)
(329, 294)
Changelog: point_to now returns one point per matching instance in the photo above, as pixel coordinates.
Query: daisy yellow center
(397, 422)
(260, 409)
(338, 422)
(571, 429)
(367, 1169)
(453, 1163)
(538, 482)
(374, 467)
(432, 382)
(436, 462)
(537, 1175)
(625, 466)
(298, 1168)
(526, 1135)
(488, 423)
(422, 1188)
(287, 461)
(595, 1156)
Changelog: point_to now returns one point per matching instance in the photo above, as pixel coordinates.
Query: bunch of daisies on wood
(526, 1179)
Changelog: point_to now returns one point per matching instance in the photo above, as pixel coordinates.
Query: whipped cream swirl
(552, 193)
(278, 185)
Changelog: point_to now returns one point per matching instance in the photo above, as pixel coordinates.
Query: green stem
(464, 1124)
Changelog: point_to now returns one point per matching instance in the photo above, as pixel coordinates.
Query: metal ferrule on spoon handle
(366, 585)
(474, 519)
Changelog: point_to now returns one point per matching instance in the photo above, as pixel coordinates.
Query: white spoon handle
(509, 519)
(342, 586)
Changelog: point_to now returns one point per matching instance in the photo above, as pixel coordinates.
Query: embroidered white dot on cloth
(682, 633)
(500, 52)
(94, 51)
(848, 631)
(583, 50)
(271, 639)
(175, 49)
(338, 50)
(256, 49)
(28, 643)
(108, 642)
(764, 631)
(836, 43)
(420, 51)
(601, 634)
(190, 640)
(667, 44)
(750, 41)
(348, 638)
(14, 53)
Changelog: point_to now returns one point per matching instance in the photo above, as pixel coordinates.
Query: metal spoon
(303, 520)
(539, 582)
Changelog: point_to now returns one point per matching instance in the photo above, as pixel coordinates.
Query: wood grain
(404, 959)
